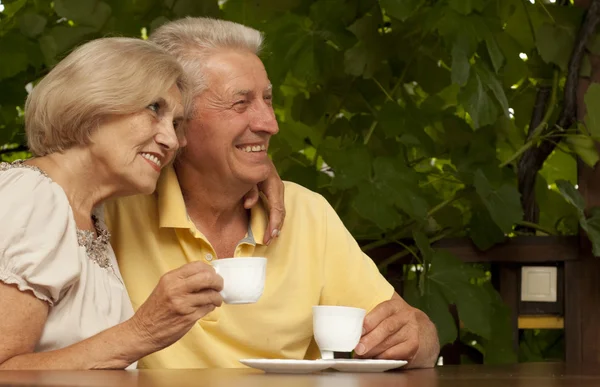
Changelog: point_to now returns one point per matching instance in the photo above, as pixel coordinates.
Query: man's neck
(215, 207)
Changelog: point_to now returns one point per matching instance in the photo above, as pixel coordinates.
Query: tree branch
(533, 158)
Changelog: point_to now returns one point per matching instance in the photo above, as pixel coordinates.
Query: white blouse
(42, 251)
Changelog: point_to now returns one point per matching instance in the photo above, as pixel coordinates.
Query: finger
(388, 327)
(202, 311)
(274, 191)
(190, 269)
(379, 314)
(203, 280)
(405, 350)
(251, 198)
(206, 298)
(390, 341)
(276, 217)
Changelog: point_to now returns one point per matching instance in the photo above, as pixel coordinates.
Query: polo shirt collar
(171, 207)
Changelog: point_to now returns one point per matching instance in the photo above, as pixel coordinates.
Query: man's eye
(155, 107)
(240, 102)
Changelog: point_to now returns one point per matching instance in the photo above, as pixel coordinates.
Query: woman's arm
(182, 297)
(22, 327)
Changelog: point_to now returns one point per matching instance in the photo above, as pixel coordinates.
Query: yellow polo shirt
(315, 261)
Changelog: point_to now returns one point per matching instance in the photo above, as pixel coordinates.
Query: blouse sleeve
(38, 237)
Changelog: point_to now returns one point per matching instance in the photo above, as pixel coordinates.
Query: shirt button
(209, 257)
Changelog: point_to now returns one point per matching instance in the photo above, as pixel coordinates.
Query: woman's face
(131, 150)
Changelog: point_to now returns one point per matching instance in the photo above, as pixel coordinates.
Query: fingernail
(278, 232)
(364, 330)
(268, 242)
(360, 349)
(274, 233)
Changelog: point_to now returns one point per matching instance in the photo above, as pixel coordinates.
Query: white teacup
(337, 328)
(243, 278)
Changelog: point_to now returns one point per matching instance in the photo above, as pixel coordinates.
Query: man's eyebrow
(269, 88)
(242, 92)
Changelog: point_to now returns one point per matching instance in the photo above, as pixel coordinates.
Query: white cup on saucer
(243, 278)
(337, 328)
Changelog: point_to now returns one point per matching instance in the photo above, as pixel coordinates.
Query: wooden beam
(521, 249)
(510, 292)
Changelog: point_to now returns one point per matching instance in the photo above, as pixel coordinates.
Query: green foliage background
(408, 115)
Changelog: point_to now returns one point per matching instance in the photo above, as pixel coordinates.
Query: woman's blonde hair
(193, 39)
(104, 77)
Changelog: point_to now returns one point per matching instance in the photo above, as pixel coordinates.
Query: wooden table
(519, 375)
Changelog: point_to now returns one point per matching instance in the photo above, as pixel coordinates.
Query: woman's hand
(274, 191)
(181, 298)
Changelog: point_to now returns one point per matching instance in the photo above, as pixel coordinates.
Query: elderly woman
(102, 124)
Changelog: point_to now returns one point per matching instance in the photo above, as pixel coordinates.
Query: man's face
(229, 136)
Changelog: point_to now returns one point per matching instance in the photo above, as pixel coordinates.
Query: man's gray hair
(192, 40)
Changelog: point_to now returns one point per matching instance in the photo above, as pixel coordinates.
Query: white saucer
(288, 366)
(366, 365)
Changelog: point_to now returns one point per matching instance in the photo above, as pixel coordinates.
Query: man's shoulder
(135, 205)
(299, 196)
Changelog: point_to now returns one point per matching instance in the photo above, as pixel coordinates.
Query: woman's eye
(154, 107)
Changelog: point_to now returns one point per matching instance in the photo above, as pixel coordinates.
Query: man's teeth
(152, 158)
(255, 148)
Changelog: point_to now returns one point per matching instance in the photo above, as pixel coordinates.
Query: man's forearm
(429, 345)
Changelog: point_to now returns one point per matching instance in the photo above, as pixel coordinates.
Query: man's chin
(252, 178)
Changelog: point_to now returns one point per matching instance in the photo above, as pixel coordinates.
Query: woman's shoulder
(28, 197)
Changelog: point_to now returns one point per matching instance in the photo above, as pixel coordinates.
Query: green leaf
(555, 43)
(14, 57)
(453, 278)
(400, 9)
(11, 8)
(434, 304)
(591, 225)
(555, 212)
(465, 7)
(518, 25)
(75, 9)
(570, 193)
(422, 243)
(183, 8)
(32, 24)
(396, 121)
(492, 83)
(309, 111)
(400, 186)
(477, 102)
(460, 60)
(366, 57)
(592, 102)
(429, 74)
(503, 203)
(515, 68)
(370, 203)
(585, 148)
(495, 53)
(499, 346)
(483, 231)
(350, 163)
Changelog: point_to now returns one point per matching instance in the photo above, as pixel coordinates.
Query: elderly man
(197, 214)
